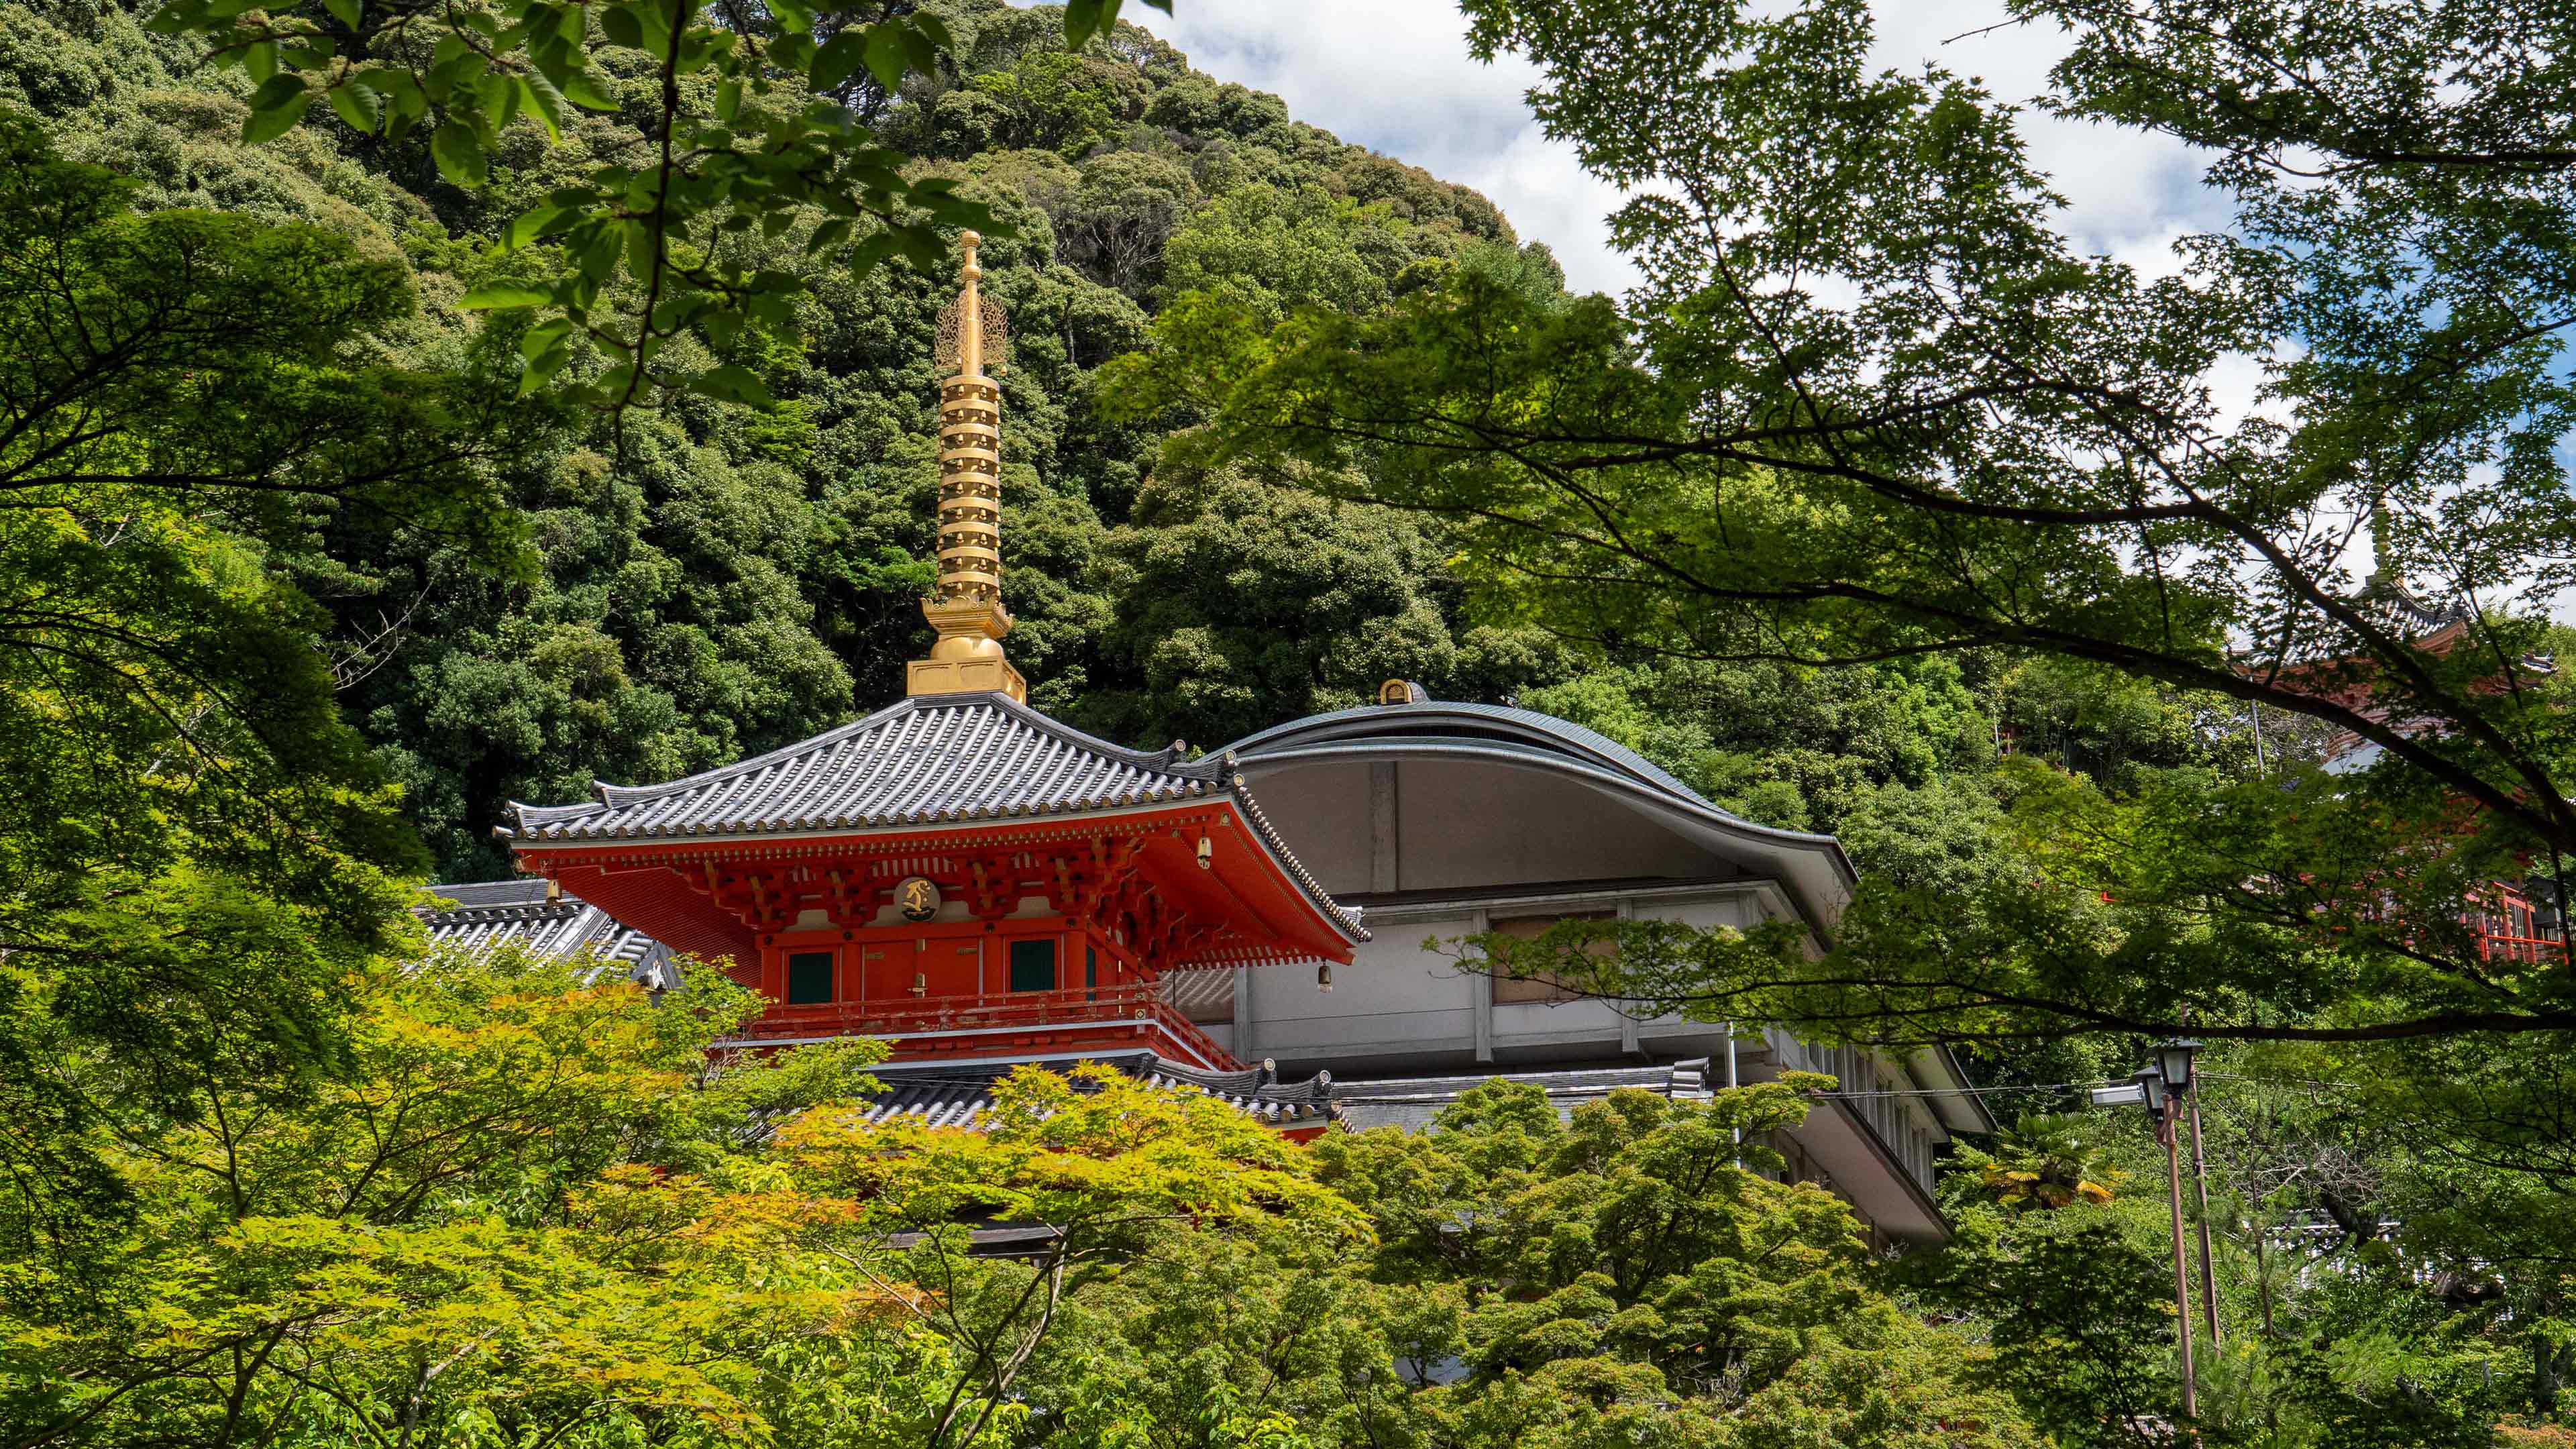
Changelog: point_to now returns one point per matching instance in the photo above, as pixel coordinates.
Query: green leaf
(830, 234)
(619, 24)
(731, 383)
(871, 250)
(176, 18)
(541, 368)
(275, 108)
(1084, 19)
(935, 30)
(885, 55)
(541, 97)
(729, 100)
(501, 297)
(654, 16)
(584, 90)
(639, 249)
(793, 18)
(500, 96)
(346, 12)
(599, 258)
(459, 155)
(362, 108)
(529, 225)
(838, 60)
(543, 335)
(919, 52)
(261, 61)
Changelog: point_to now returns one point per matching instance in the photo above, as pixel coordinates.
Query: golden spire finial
(965, 607)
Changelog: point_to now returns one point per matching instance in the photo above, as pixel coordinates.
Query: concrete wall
(1406, 1003)
(1438, 850)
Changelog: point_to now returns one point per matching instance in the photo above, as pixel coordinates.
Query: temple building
(984, 886)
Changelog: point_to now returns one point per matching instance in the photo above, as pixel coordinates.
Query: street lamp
(2160, 1092)
(2152, 1090)
(2173, 1058)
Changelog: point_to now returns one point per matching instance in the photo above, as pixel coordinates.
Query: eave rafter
(1094, 874)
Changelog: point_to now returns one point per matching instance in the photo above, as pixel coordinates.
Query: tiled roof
(927, 760)
(962, 1095)
(1411, 1102)
(484, 917)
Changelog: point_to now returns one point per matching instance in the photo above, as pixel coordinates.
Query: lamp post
(2163, 1103)
(2177, 1058)
(2150, 1088)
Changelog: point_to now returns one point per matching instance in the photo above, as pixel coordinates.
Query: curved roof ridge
(605, 796)
(1166, 761)
(941, 757)
(1365, 745)
(1584, 738)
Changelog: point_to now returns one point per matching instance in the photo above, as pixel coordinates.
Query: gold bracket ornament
(965, 606)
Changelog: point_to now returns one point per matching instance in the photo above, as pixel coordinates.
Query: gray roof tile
(924, 761)
(484, 917)
(962, 1095)
(1412, 1102)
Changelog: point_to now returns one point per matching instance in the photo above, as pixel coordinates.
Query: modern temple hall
(986, 886)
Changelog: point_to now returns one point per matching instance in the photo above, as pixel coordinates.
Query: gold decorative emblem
(917, 898)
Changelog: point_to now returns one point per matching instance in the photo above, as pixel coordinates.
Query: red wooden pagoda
(958, 871)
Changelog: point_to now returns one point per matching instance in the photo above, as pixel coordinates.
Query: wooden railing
(998, 1012)
(2510, 928)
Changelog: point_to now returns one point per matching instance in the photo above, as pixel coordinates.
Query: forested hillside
(714, 582)
(722, 583)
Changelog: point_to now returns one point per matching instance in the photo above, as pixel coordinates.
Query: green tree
(1237, 604)
(1834, 429)
(198, 850)
(1612, 1279)
(735, 138)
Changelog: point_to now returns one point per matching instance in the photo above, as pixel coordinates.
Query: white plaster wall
(1392, 993)
(1739, 911)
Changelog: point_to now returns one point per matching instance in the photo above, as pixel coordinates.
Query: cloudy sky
(1394, 75)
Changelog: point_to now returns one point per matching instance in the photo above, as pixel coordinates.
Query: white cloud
(1395, 76)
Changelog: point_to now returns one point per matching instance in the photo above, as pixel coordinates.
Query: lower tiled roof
(483, 917)
(943, 1095)
(1411, 1102)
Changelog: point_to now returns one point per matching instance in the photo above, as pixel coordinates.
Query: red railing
(2510, 927)
(996, 1012)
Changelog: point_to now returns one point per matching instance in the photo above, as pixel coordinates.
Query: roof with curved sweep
(1814, 865)
(1493, 722)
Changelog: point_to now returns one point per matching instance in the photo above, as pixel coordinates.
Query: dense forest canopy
(320, 541)
(716, 581)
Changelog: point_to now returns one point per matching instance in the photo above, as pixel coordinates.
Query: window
(809, 978)
(1033, 965)
(1090, 972)
(1544, 988)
